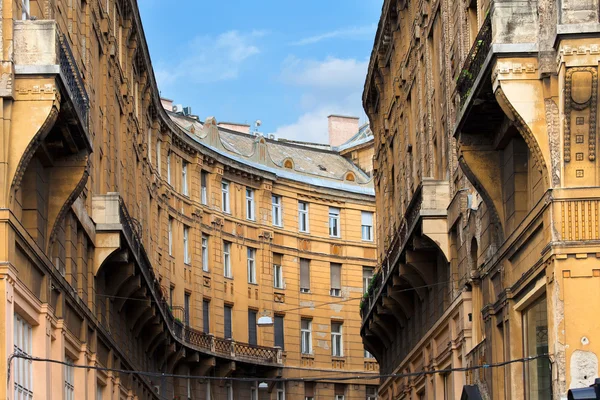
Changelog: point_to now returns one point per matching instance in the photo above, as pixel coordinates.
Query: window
(368, 355)
(337, 349)
(447, 386)
(367, 276)
(225, 196)
(535, 342)
(276, 210)
(280, 390)
(336, 281)
(334, 222)
(204, 187)
(169, 168)
(304, 275)
(340, 391)
(186, 245)
(186, 309)
(309, 390)
(25, 9)
(206, 316)
(251, 327)
(254, 392)
(150, 145)
(306, 336)
(227, 321)
(250, 204)
(99, 391)
(277, 271)
(278, 331)
(170, 236)
(158, 145)
(204, 253)
(302, 216)
(367, 225)
(188, 382)
(22, 368)
(229, 390)
(251, 265)
(184, 180)
(208, 391)
(171, 294)
(69, 379)
(371, 392)
(227, 260)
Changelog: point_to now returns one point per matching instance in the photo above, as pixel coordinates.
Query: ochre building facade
(484, 115)
(145, 243)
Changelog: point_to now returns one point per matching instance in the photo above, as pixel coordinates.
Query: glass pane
(535, 332)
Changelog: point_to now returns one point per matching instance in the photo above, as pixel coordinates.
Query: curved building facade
(146, 243)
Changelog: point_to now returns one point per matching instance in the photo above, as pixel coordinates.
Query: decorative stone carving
(580, 97)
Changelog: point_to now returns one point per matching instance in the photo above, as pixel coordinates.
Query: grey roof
(317, 166)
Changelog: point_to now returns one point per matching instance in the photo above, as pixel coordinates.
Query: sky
(287, 63)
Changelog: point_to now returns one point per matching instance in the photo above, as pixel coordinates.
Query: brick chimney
(341, 128)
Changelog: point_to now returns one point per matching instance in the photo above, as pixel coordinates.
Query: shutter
(367, 218)
(336, 271)
(227, 322)
(309, 389)
(203, 177)
(279, 331)
(251, 326)
(205, 316)
(340, 389)
(277, 259)
(304, 273)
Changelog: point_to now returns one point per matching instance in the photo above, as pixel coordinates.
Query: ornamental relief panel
(581, 106)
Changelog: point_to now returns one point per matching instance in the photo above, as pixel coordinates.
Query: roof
(320, 166)
(364, 135)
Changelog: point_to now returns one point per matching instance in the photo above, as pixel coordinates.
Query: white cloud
(353, 32)
(333, 86)
(210, 59)
(330, 73)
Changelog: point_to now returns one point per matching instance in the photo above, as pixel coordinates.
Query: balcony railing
(475, 61)
(195, 339)
(72, 79)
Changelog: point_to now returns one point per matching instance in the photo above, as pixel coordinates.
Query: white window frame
(276, 214)
(229, 388)
(280, 391)
(205, 253)
(337, 341)
(254, 392)
(306, 337)
(368, 355)
(339, 397)
(69, 379)
(369, 395)
(334, 222)
(277, 276)
(250, 214)
(26, 10)
(227, 259)
(170, 234)
(189, 385)
(225, 202)
(23, 369)
(99, 391)
(251, 254)
(366, 229)
(186, 245)
(204, 188)
(169, 167)
(303, 225)
(184, 178)
(367, 279)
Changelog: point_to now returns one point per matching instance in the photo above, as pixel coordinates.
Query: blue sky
(287, 63)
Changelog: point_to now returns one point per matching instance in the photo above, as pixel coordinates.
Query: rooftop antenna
(254, 130)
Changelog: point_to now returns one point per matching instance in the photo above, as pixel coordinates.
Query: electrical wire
(254, 379)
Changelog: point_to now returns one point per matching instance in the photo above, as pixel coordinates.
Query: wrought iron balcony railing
(475, 61)
(72, 79)
(195, 339)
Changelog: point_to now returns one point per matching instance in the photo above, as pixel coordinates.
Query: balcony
(110, 215)
(40, 49)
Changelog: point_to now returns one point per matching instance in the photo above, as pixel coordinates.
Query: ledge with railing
(474, 61)
(71, 76)
(195, 339)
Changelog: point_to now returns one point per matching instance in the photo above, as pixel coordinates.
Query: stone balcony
(41, 49)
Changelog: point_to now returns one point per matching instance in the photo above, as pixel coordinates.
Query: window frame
(25, 10)
(225, 199)
(186, 245)
(158, 157)
(204, 187)
(170, 236)
(169, 167)
(368, 226)
(204, 249)
(227, 273)
(305, 289)
(335, 226)
(69, 378)
(23, 369)
(306, 337)
(303, 215)
(337, 341)
(184, 178)
(276, 210)
(277, 276)
(251, 265)
(250, 210)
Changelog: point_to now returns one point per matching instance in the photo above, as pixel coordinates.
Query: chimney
(167, 103)
(341, 128)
